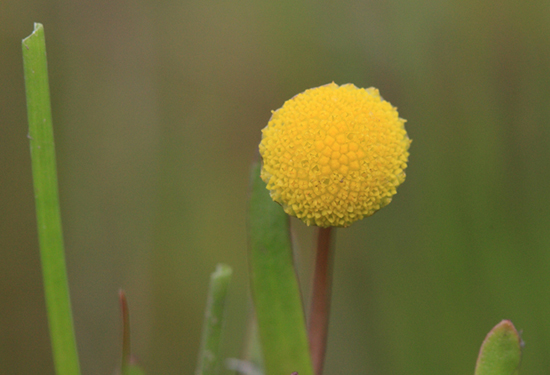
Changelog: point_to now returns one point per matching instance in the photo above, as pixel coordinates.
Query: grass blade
(48, 216)
(209, 356)
(275, 290)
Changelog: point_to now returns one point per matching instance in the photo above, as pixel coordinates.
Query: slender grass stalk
(48, 216)
(209, 355)
(320, 300)
(277, 298)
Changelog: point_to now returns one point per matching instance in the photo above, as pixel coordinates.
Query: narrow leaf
(209, 355)
(500, 353)
(275, 289)
(48, 215)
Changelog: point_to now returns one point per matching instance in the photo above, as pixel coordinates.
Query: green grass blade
(209, 355)
(50, 235)
(275, 289)
(500, 353)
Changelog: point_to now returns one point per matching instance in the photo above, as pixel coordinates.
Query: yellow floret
(334, 154)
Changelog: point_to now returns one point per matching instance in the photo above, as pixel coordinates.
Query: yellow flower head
(334, 154)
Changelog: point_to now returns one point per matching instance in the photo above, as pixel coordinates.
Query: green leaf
(275, 290)
(48, 217)
(209, 355)
(500, 353)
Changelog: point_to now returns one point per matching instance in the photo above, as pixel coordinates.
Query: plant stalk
(126, 349)
(48, 217)
(320, 300)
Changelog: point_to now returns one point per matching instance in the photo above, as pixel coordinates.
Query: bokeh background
(158, 107)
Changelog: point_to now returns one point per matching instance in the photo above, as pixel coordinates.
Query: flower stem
(320, 300)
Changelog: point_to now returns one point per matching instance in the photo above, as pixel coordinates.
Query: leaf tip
(501, 350)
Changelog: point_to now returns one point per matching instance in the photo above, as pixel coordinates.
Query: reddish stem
(320, 300)
(126, 351)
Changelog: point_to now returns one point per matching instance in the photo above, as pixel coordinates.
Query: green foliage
(209, 355)
(47, 204)
(467, 243)
(500, 353)
(275, 290)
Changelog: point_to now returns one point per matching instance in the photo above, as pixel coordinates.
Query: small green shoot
(209, 355)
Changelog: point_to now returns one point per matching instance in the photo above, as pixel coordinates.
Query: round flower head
(334, 154)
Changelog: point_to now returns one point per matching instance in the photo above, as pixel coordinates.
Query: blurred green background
(158, 107)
